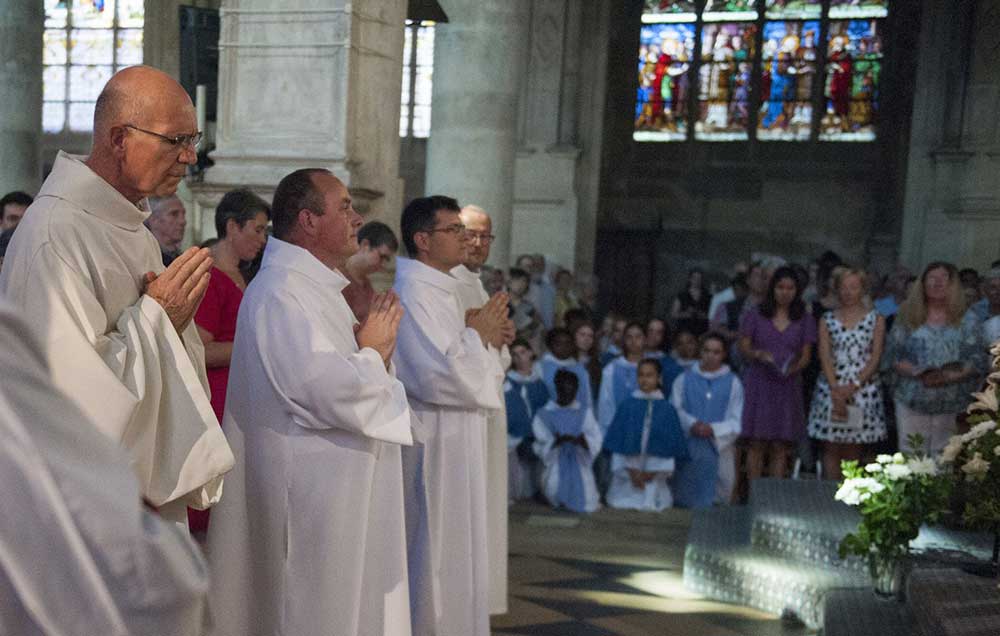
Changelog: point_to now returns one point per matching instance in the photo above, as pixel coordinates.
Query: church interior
(629, 142)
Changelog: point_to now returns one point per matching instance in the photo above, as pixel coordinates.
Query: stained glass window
(418, 73)
(85, 43)
(664, 58)
(854, 68)
(727, 53)
(669, 11)
(793, 9)
(786, 88)
(816, 76)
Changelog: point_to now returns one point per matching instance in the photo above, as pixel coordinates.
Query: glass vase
(888, 572)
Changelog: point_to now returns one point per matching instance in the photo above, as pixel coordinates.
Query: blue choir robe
(550, 364)
(669, 369)
(715, 398)
(618, 380)
(524, 395)
(645, 435)
(568, 477)
(613, 351)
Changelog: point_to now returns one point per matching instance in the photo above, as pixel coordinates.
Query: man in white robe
(451, 378)
(87, 275)
(472, 295)
(79, 553)
(309, 540)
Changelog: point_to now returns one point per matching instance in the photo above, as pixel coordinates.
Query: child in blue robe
(709, 403)
(524, 394)
(568, 439)
(619, 379)
(562, 355)
(646, 441)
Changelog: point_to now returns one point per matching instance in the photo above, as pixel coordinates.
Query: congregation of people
(345, 454)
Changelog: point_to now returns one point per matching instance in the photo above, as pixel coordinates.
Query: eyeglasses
(178, 141)
(472, 237)
(457, 229)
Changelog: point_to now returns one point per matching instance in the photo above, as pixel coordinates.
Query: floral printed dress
(852, 350)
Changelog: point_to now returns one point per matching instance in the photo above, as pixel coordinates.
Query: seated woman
(709, 403)
(646, 440)
(524, 394)
(568, 439)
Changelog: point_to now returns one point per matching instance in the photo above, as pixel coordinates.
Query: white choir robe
(726, 431)
(79, 553)
(545, 447)
(656, 495)
(451, 379)
(74, 270)
(309, 539)
(472, 295)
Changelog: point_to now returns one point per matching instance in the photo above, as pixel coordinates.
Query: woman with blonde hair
(847, 411)
(936, 358)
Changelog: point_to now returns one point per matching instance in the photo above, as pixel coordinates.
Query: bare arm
(826, 354)
(878, 346)
(217, 354)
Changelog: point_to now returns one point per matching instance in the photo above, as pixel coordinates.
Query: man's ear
(365, 244)
(423, 241)
(307, 222)
(116, 138)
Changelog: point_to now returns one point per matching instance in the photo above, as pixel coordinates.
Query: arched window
(772, 70)
(86, 42)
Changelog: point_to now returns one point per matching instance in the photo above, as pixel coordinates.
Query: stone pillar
(308, 83)
(952, 206)
(478, 65)
(21, 25)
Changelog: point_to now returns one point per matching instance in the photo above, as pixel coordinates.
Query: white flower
(976, 467)
(985, 401)
(996, 451)
(979, 430)
(884, 459)
(874, 468)
(951, 451)
(854, 491)
(897, 471)
(924, 466)
(898, 458)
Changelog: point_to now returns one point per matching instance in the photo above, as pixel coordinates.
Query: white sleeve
(445, 369)
(729, 429)
(606, 401)
(677, 399)
(544, 439)
(134, 377)
(592, 433)
(325, 388)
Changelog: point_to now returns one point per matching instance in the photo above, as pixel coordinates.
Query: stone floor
(613, 573)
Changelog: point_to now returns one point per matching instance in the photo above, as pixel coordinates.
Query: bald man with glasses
(88, 276)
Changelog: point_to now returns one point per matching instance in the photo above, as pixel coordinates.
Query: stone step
(740, 573)
(859, 612)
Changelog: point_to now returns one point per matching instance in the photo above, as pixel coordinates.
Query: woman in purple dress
(776, 341)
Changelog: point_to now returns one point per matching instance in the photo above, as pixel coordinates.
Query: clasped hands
(640, 478)
(180, 288)
(579, 440)
(491, 322)
(380, 328)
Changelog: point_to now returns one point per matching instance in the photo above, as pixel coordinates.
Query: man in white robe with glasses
(88, 277)
(451, 379)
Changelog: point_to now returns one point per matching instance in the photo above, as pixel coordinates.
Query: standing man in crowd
(472, 295)
(451, 379)
(12, 207)
(310, 536)
(377, 247)
(167, 221)
(117, 326)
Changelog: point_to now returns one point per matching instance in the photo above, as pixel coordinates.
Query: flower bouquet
(975, 461)
(895, 495)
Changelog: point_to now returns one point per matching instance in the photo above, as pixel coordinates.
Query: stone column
(479, 60)
(308, 83)
(21, 25)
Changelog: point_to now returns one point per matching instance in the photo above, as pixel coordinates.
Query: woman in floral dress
(850, 346)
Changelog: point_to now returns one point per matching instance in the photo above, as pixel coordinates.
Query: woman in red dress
(241, 223)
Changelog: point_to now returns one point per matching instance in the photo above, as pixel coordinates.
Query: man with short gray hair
(167, 222)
